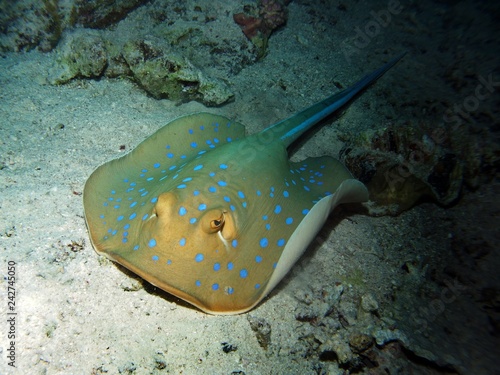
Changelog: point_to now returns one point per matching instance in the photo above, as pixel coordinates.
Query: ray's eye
(214, 221)
(217, 223)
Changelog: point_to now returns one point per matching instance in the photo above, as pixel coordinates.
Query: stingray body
(215, 217)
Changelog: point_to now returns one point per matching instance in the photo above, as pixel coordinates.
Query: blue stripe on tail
(292, 128)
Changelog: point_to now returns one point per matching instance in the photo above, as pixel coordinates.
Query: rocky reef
(167, 48)
(408, 163)
(27, 24)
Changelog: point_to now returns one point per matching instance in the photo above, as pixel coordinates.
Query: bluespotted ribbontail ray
(215, 217)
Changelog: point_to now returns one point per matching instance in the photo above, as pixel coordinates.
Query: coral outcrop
(151, 63)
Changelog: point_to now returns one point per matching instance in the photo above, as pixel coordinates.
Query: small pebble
(369, 303)
(359, 342)
(227, 347)
(262, 330)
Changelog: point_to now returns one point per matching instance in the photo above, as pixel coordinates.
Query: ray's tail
(293, 127)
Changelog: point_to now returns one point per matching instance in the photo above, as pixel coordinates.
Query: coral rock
(166, 74)
(82, 54)
(260, 23)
